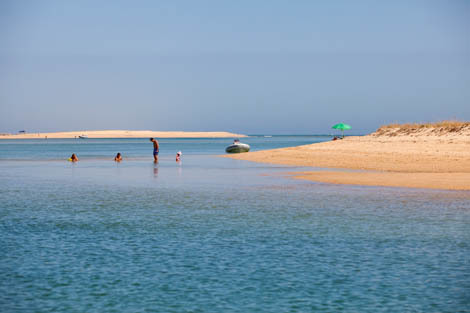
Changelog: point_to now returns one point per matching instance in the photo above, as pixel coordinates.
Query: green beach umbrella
(341, 126)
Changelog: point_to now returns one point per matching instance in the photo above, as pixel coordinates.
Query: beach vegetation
(434, 128)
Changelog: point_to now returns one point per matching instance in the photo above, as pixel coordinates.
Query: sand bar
(449, 181)
(121, 134)
(422, 159)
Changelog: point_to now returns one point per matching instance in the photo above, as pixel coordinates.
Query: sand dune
(122, 134)
(422, 158)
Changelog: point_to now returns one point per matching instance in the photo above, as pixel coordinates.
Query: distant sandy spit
(420, 159)
(122, 134)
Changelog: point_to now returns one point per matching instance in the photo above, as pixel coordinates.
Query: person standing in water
(73, 158)
(155, 150)
(118, 157)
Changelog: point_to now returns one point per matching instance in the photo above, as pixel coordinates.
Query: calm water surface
(217, 235)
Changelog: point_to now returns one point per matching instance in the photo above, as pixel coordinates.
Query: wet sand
(449, 181)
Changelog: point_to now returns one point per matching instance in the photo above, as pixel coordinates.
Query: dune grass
(450, 126)
(441, 124)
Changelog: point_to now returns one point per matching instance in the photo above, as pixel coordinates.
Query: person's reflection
(155, 171)
(180, 168)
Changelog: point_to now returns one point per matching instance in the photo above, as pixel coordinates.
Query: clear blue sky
(244, 66)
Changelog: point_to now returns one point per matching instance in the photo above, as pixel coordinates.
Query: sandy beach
(121, 134)
(431, 157)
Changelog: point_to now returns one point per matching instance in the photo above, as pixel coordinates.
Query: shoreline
(121, 134)
(439, 181)
(421, 160)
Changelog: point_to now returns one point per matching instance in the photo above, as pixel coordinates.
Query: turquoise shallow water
(218, 235)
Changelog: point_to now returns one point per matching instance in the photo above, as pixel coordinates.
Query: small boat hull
(238, 148)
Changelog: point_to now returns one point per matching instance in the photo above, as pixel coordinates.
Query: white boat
(237, 147)
(83, 136)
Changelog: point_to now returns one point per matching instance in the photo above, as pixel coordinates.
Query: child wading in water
(118, 157)
(73, 158)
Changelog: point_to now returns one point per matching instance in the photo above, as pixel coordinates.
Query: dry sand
(122, 134)
(423, 158)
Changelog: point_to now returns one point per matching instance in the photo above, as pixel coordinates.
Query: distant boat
(237, 147)
(267, 136)
(83, 137)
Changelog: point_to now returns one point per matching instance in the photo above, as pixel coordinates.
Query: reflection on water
(180, 168)
(155, 171)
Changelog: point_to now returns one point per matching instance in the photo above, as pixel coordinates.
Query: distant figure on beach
(178, 156)
(118, 157)
(155, 150)
(73, 158)
(335, 138)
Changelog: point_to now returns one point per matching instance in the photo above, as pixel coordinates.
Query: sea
(213, 234)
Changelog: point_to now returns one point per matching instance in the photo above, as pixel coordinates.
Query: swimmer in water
(118, 157)
(73, 158)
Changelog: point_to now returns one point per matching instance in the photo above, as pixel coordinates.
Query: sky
(251, 67)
